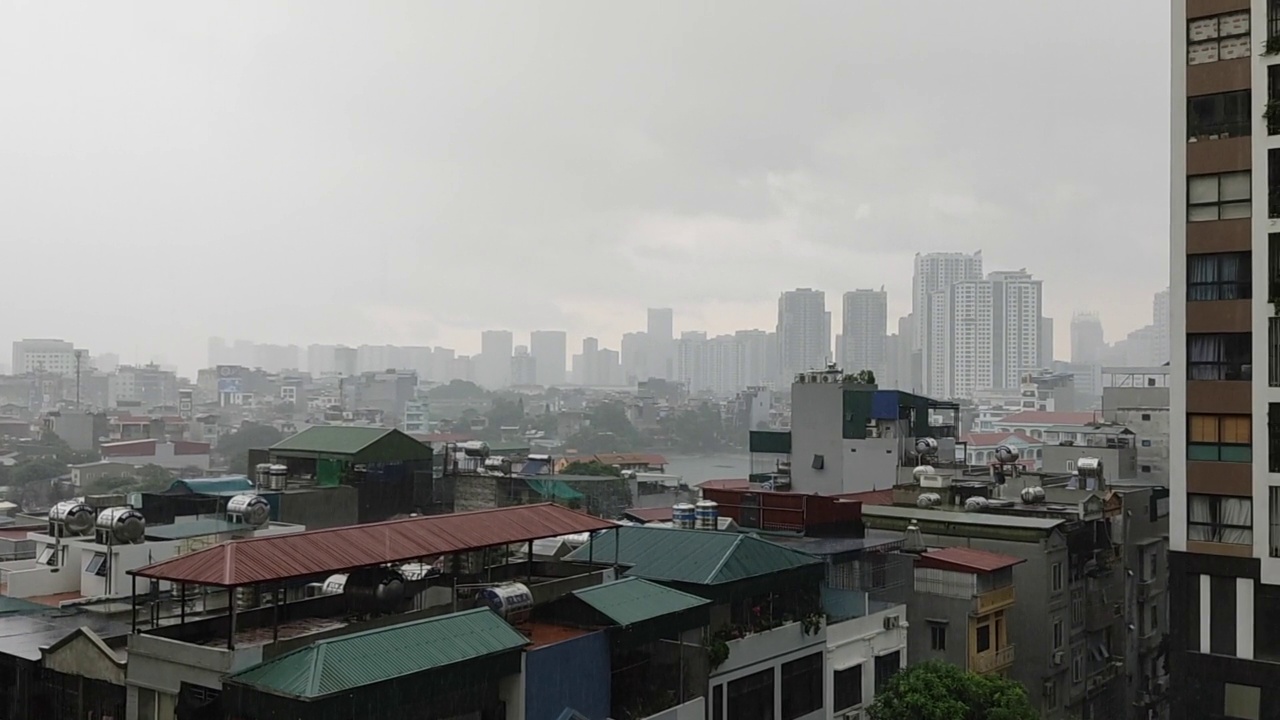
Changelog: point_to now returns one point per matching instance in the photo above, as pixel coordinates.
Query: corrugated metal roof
(965, 559)
(195, 528)
(320, 552)
(961, 518)
(701, 557)
(332, 439)
(212, 486)
(350, 661)
(632, 600)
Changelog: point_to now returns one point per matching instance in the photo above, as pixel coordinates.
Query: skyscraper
(1160, 324)
(1224, 491)
(935, 272)
(865, 327)
(985, 334)
(661, 339)
(493, 367)
(549, 349)
(804, 331)
(1088, 344)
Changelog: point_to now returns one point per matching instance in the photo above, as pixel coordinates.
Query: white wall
(858, 642)
(769, 649)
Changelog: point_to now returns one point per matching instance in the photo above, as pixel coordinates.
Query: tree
(505, 412)
(148, 478)
(457, 390)
(591, 467)
(37, 470)
(937, 691)
(234, 448)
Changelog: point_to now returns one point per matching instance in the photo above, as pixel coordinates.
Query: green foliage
(608, 430)
(62, 451)
(148, 478)
(457, 390)
(36, 470)
(234, 448)
(592, 467)
(505, 412)
(938, 691)
(696, 430)
(862, 377)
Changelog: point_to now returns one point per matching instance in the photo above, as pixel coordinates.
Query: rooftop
(22, 634)
(652, 459)
(634, 600)
(992, 439)
(343, 663)
(1040, 417)
(362, 443)
(963, 559)
(212, 486)
(698, 557)
(319, 552)
(648, 515)
(961, 518)
(875, 540)
(195, 528)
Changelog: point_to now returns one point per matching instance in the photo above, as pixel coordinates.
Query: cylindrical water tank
(683, 515)
(512, 601)
(976, 503)
(262, 475)
(125, 524)
(1033, 495)
(1007, 454)
(706, 515)
(251, 509)
(335, 584)
(928, 500)
(374, 590)
(278, 476)
(75, 517)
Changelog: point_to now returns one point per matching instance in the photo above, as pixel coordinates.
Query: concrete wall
(816, 421)
(320, 508)
(83, 657)
(870, 464)
(695, 709)
(859, 642)
(474, 492)
(161, 665)
(1117, 463)
(769, 649)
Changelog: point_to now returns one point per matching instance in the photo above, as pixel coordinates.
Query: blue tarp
(884, 405)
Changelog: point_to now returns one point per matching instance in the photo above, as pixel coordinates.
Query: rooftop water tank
(976, 502)
(122, 524)
(374, 590)
(928, 500)
(706, 515)
(683, 515)
(1033, 495)
(249, 509)
(278, 477)
(75, 518)
(512, 601)
(1007, 454)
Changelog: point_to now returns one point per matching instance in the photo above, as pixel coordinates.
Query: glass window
(1218, 197)
(1219, 518)
(1242, 702)
(97, 565)
(1056, 576)
(937, 636)
(1221, 438)
(1219, 276)
(1219, 356)
(802, 686)
(47, 556)
(886, 667)
(1059, 637)
(983, 641)
(717, 702)
(1219, 115)
(1273, 502)
(847, 690)
(751, 697)
(1221, 37)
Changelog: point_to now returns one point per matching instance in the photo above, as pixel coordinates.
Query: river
(697, 469)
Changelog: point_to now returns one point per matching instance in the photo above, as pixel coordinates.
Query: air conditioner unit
(1059, 657)
(892, 621)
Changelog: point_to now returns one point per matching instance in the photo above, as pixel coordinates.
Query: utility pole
(78, 354)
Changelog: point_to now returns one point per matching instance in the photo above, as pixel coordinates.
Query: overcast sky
(414, 172)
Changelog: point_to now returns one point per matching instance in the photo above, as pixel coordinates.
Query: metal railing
(993, 600)
(992, 661)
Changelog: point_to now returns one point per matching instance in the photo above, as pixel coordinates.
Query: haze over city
(412, 173)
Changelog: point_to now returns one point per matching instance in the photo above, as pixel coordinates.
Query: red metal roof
(981, 440)
(870, 497)
(146, 447)
(727, 484)
(963, 559)
(651, 459)
(320, 552)
(1039, 417)
(650, 514)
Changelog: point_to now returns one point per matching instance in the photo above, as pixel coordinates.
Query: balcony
(991, 661)
(993, 600)
(1098, 617)
(768, 644)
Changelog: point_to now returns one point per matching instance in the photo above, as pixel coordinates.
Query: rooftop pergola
(279, 559)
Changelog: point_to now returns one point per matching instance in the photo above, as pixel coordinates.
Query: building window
(47, 556)
(886, 667)
(1273, 503)
(982, 641)
(1077, 607)
(717, 702)
(1218, 276)
(1059, 636)
(97, 565)
(1224, 196)
(751, 697)
(1219, 518)
(1146, 416)
(1055, 577)
(802, 686)
(847, 689)
(1146, 468)
(1220, 438)
(1242, 702)
(937, 636)
(1221, 37)
(1077, 665)
(1220, 115)
(1051, 694)
(1219, 356)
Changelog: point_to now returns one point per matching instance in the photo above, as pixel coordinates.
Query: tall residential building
(1224, 503)
(865, 327)
(524, 369)
(549, 349)
(935, 272)
(804, 331)
(493, 366)
(1087, 341)
(38, 355)
(691, 361)
(756, 349)
(1160, 326)
(985, 334)
(661, 337)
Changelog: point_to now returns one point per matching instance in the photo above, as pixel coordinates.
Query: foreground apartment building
(1224, 577)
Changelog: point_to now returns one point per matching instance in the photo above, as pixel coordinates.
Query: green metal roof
(213, 486)
(350, 661)
(332, 439)
(632, 600)
(700, 557)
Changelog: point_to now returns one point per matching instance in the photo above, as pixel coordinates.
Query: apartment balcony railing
(992, 661)
(993, 600)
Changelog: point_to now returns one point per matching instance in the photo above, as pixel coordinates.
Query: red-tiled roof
(963, 559)
(870, 497)
(147, 447)
(651, 459)
(320, 552)
(997, 438)
(1037, 417)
